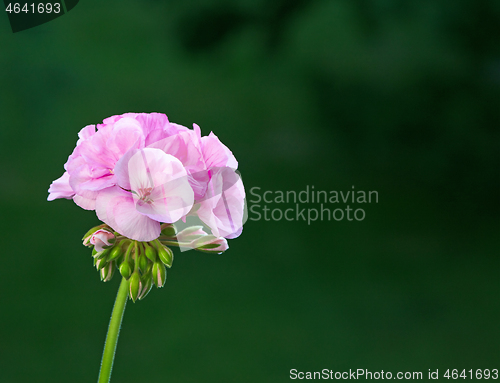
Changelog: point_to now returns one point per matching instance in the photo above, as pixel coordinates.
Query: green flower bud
(159, 274)
(143, 262)
(101, 263)
(135, 282)
(115, 252)
(126, 269)
(150, 252)
(107, 272)
(168, 230)
(166, 255)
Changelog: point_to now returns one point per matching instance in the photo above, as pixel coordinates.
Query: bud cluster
(144, 264)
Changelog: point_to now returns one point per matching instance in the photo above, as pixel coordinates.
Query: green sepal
(126, 269)
(135, 281)
(209, 246)
(166, 255)
(107, 272)
(150, 252)
(147, 284)
(159, 274)
(145, 277)
(102, 254)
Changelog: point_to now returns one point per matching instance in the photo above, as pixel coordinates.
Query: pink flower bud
(210, 244)
(102, 239)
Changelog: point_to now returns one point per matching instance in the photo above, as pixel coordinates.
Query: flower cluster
(139, 170)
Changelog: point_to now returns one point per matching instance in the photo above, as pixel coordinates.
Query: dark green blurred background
(401, 97)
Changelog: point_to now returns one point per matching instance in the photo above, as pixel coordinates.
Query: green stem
(108, 355)
(178, 244)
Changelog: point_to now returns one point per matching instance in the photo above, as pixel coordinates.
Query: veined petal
(85, 133)
(93, 179)
(121, 168)
(127, 134)
(225, 211)
(184, 147)
(86, 199)
(213, 151)
(152, 121)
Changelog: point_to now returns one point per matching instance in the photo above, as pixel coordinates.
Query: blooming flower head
(139, 170)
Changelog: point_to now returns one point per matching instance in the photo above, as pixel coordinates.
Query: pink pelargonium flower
(138, 169)
(159, 192)
(102, 239)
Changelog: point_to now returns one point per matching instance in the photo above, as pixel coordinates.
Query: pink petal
(152, 121)
(182, 146)
(92, 179)
(155, 136)
(86, 200)
(213, 152)
(116, 207)
(121, 169)
(127, 134)
(60, 188)
(85, 133)
(225, 211)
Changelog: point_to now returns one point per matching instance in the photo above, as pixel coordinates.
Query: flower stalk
(108, 354)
